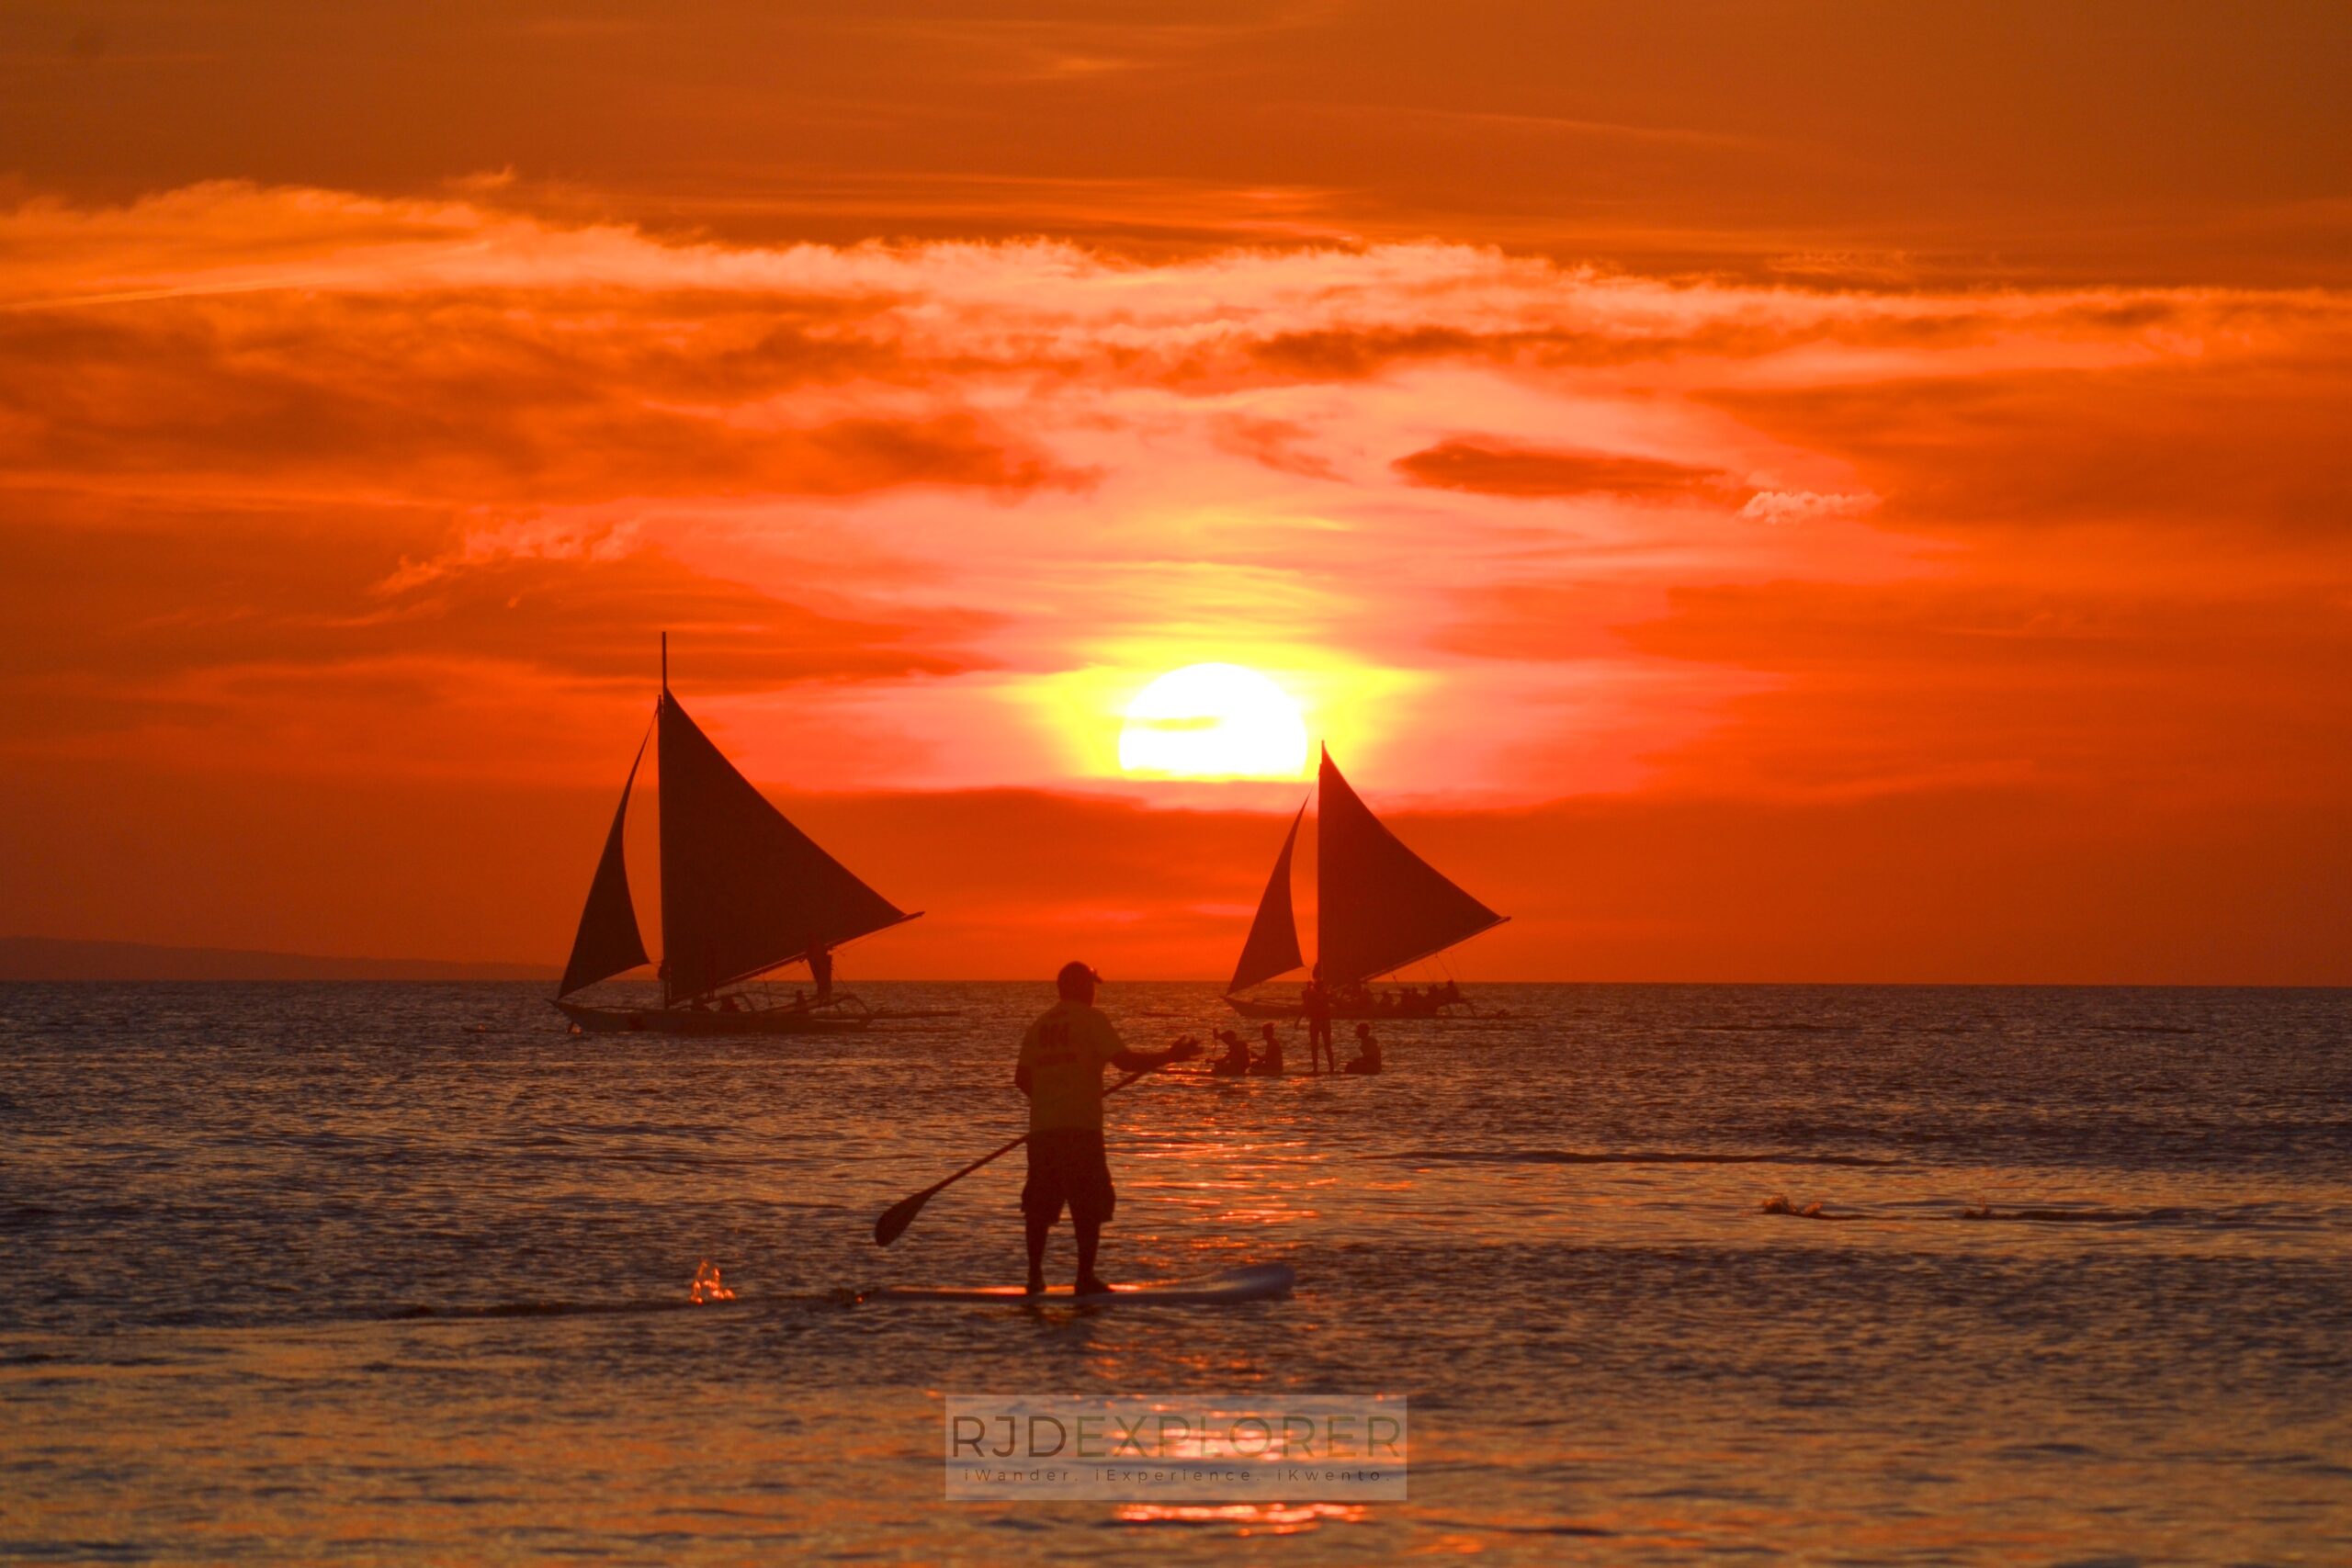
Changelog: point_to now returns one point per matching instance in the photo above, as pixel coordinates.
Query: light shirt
(1066, 1052)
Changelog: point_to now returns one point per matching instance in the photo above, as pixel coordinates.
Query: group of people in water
(1267, 1063)
(1411, 1001)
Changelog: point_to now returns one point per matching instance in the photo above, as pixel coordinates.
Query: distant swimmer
(1235, 1060)
(1367, 1056)
(1269, 1064)
(1062, 1058)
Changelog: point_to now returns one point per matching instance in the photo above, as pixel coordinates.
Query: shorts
(1067, 1166)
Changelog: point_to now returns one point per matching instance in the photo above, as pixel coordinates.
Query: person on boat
(821, 968)
(1061, 1069)
(1315, 1003)
(1269, 1064)
(1367, 1056)
(1450, 994)
(1235, 1060)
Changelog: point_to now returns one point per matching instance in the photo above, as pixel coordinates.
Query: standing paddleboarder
(1062, 1058)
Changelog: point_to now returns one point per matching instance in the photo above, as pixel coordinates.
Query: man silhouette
(1061, 1069)
(1235, 1060)
(1269, 1064)
(1316, 1004)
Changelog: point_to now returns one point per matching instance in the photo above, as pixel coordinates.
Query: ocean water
(314, 1274)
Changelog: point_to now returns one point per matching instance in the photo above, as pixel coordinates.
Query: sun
(1214, 721)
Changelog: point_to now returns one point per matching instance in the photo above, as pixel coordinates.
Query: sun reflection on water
(1245, 1518)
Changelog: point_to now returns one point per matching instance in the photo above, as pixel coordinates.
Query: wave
(2088, 1216)
(1791, 1027)
(423, 1312)
(1626, 1157)
(2254, 1216)
(839, 1296)
(1780, 1203)
(540, 1309)
(1492, 1526)
(2047, 1214)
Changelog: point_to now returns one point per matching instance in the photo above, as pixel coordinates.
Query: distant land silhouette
(52, 958)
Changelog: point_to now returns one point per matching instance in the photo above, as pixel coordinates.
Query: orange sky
(1818, 492)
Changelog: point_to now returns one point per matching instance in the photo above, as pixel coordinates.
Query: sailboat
(743, 892)
(1379, 907)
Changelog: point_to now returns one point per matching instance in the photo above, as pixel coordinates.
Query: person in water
(1367, 1056)
(1061, 1069)
(1235, 1060)
(1269, 1064)
(1316, 1003)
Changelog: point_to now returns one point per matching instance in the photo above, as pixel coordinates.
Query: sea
(321, 1273)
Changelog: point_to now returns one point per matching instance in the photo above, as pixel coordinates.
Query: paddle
(900, 1214)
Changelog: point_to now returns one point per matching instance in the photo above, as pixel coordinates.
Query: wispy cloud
(1488, 515)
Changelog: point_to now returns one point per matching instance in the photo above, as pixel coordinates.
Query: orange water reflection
(1246, 1519)
(708, 1286)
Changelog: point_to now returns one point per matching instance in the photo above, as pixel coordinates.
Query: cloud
(2194, 692)
(2212, 447)
(1823, 135)
(1799, 506)
(1280, 444)
(1549, 621)
(940, 503)
(1494, 469)
(202, 631)
(460, 401)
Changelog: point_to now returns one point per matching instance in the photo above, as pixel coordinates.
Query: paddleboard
(1252, 1282)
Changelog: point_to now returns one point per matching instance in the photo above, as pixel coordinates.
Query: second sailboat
(1379, 907)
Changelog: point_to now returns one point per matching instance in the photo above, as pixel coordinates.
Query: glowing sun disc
(1214, 721)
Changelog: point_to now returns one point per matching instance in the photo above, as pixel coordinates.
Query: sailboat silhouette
(1378, 908)
(743, 892)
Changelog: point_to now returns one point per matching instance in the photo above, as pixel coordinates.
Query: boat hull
(710, 1021)
(1349, 1012)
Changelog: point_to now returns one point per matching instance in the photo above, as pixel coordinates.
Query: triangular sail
(1272, 947)
(1381, 906)
(742, 890)
(608, 940)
